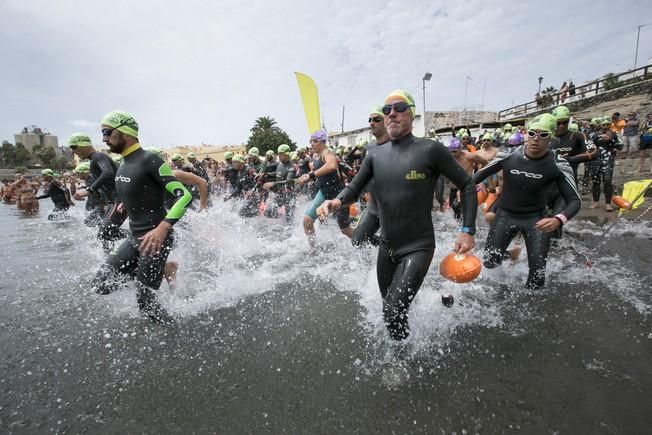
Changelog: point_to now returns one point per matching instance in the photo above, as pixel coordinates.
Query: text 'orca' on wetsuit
(141, 183)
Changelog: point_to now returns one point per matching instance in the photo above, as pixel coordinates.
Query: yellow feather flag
(310, 99)
(633, 191)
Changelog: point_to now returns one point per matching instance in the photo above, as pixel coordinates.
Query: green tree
(46, 155)
(22, 156)
(8, 154)
(267, 135)
(61, 163)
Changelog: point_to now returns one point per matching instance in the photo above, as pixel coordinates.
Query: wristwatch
(468, 230)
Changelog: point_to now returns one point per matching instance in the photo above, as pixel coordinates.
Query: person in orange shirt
(617, 124)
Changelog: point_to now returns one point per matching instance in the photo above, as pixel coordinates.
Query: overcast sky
(195, 72)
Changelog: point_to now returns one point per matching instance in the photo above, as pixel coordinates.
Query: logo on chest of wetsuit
(123, 179)
(526, 174)
(564, 150)
(414, 175)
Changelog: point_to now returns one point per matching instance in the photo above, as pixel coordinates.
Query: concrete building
(33, 135)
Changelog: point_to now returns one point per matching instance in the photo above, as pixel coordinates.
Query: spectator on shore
(571, 90)
(563, 92)
(645, 144)
(630, 134)
(617, 124)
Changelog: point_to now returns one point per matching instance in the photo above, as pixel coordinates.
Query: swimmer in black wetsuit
(570, 145)
(405, 172)
(368, 223)
(527, 173)
(57, 192)
(283, 184)
(100, 191)
(142, 181)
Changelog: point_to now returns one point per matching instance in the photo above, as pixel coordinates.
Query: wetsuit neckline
(534, 158)
(130, 150)
(402, 140)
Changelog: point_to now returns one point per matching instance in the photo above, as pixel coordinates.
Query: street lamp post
(638, 34)
(466, 87)
(540, 80)
(426, 78)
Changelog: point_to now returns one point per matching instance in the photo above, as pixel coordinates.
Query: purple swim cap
(516, 139)
(319, 135)
(455, 144)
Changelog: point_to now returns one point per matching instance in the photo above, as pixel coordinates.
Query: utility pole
(638, 35)
(342, 124)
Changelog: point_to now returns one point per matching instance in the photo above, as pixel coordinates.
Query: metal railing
(608, 83)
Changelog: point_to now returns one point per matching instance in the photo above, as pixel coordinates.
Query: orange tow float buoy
(460, 267)
(620, 202)
(482, 193)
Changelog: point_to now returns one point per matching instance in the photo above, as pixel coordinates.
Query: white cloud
(84, 124)
(199, 71)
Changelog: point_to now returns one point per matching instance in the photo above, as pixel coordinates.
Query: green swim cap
(403, 95)
(561, 112)
(361, 144)
(254, 152)
(574, 127)
(545, 122)
(605, 121)
(79, 140)
(377, 110)
(507, 126)
(514, 129)
(155, 150)
(228, 155)
(294, 156)
(47, 172)
(284, 148)
(121, 121)
(191, 156)
(465, 135)
(269, 153)
(238, 158)
(488, 136)
(176, 157)
(83, 168)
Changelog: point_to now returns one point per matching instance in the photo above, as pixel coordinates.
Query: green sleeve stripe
(165, 170)
(179, 207)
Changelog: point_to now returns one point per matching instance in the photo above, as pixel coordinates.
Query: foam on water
(224, 259)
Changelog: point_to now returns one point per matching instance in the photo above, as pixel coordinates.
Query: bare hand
(547, 225)
(152, 241)
(80, 194)
(268, 185)
(464, 243)
(120, 208)
(327, 207)
(303, 179)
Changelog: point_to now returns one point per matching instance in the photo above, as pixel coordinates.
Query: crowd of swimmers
(523, 179)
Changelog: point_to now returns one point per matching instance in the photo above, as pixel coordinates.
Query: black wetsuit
(522, 203)
(142, 181)
(405, 172)
(102, 187)
(368, 223)
(284, 189)
(603, 169)
(572, 146)
(59, 195)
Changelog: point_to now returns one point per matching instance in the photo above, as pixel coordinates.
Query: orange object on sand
(620, 202)
(460, 267)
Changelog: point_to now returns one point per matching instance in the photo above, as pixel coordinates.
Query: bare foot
(594, 205)
(609, 207)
